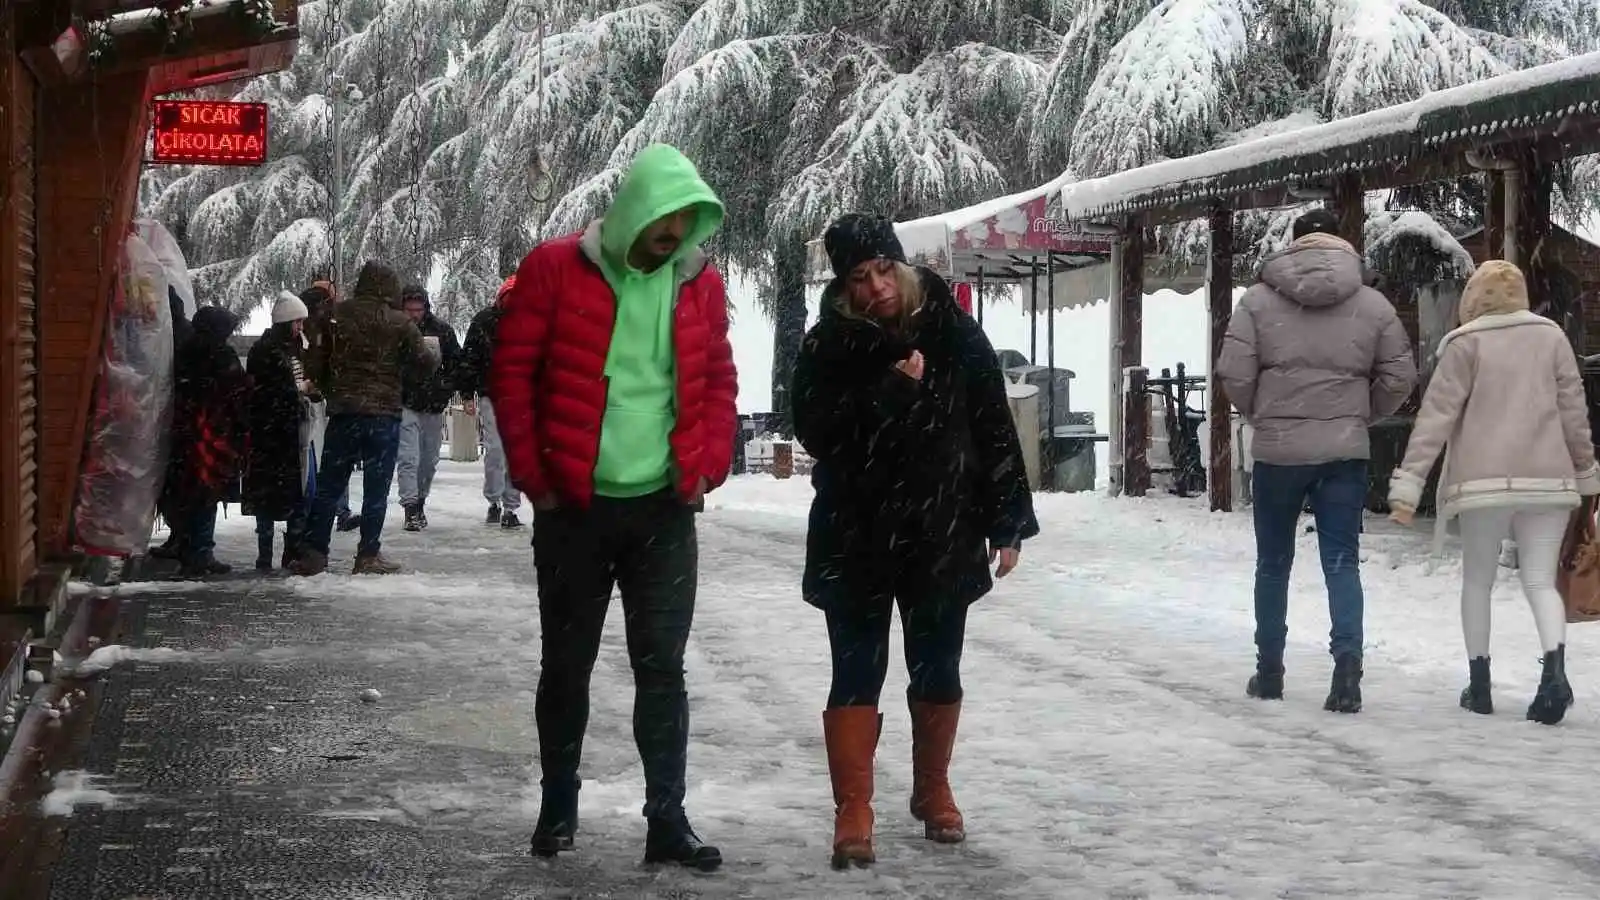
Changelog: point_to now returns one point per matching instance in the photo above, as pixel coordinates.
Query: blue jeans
(200, 533)
(1337, 491)
(375, 442)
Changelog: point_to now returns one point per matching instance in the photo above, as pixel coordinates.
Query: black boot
(349, 522)
(670, 839)
(203, 565)
(510, 521)
(422, 513)
(1344, 694)
(1267, 682)
(493, 518)
(413, 516)
(1475, 696)
(557, 827)
(1555, 692)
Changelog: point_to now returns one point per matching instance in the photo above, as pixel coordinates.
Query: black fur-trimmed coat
(914, 480)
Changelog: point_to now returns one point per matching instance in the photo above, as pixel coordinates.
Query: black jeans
(934, 631)
(647, 547)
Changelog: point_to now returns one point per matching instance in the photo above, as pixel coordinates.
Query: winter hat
(1498, 287)
(855, 238)
(1318, 221)
(415, 292)
(378, 282)
(289, 308)
(214, 324)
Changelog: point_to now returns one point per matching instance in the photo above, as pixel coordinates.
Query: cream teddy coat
(1508, 400)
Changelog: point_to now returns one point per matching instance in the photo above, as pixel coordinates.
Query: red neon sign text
(209, 133)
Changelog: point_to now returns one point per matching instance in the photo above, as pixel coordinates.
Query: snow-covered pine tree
(799, 112)
(251, 232)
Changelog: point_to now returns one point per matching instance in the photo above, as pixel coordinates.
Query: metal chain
(419, 137)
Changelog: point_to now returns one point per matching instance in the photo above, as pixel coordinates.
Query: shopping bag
(1578, 576)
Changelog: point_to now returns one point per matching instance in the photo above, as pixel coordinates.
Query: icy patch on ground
(105, 658)
(137, 588)
(77, 788)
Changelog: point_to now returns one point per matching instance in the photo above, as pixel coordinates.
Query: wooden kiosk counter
(78, 80)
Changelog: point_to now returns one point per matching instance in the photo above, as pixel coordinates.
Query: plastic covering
(129, 434)
(166, 249)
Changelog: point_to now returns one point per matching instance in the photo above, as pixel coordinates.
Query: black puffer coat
(272, 485)
(914, 480)
(209, 419)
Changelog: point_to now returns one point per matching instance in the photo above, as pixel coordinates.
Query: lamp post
(350, 94)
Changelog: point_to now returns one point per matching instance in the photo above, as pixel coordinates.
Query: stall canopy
(1011, 240)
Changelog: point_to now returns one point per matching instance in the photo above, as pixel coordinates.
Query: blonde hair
(907, 279)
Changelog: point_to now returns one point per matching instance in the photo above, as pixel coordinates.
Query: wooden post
(1494, 218)
(1219, 297)
(782, 460)
(1136, 421)
(1350, 202)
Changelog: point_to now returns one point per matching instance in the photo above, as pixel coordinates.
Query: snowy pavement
(1107, 747)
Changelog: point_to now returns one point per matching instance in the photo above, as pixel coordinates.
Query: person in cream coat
(1507, 399)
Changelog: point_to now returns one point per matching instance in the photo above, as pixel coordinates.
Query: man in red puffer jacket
(614, 389)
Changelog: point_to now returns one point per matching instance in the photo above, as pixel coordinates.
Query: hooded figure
(1506, 405)
(614, 390)
(280, 399)
(209, 437)
(365, 351)
(1312, 357)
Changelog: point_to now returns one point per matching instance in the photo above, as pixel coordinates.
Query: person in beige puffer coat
(1508, 400)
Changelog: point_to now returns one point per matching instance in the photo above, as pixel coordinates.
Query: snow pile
(77, 788)
(105, 658)
(1386, 227)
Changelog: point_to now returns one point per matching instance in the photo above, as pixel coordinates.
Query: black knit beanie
(855, 238)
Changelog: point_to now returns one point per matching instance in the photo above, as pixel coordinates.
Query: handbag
(1578, 575)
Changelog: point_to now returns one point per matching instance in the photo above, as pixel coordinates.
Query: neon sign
(209, 133)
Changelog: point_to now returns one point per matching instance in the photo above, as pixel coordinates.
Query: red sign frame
(208, 133)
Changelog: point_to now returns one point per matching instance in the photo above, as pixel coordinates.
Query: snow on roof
(1087, 199)
(938, 227)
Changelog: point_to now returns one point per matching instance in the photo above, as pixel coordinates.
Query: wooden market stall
(1510, 131)
(77, 81)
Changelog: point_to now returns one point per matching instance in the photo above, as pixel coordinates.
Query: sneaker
(670, 840)
(375, 565)
(510, 520)
(413, 518)
(493, 518)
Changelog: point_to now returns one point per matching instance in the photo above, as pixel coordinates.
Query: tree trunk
(788, 327)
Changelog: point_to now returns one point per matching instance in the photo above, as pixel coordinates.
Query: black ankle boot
(1344, 692)
(264, 552)
(557, 828)
(671, 840)
(1475, 696)
(1550, 704)
(1267, 682)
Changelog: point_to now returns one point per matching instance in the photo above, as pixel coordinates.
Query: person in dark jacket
(503, 497)
(425, 399)
(319, 299)
(280, 401)
(209, 436)
(172, 549)
(366, 349)
(920, 487)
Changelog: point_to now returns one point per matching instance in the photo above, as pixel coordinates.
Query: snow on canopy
(1087, 199)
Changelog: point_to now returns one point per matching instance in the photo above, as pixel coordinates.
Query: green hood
(661, 181)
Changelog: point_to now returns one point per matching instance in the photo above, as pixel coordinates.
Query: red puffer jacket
(548, 384)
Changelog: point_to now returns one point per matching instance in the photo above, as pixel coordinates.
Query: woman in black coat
(920, 487)
(208, 438)
(274, 483)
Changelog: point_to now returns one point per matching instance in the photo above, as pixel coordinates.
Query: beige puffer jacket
(1508, 400)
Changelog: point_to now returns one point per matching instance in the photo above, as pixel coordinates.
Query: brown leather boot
(933, 738)
(852, 737)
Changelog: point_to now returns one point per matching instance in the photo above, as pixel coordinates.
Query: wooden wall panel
(19, 436)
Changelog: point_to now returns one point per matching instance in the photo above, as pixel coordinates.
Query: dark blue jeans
(1337, 491)
(200, 533)
(375, 442)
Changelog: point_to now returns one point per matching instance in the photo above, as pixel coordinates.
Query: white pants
(497, 486)
(421, 435)
(1537, 532)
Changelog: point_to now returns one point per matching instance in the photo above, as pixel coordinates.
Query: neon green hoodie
(641, 400)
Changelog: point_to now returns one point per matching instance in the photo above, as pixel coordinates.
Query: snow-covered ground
(1107, 747)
